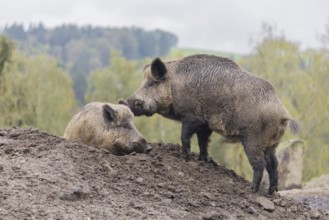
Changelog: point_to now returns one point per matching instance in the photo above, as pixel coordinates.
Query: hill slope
(47, 177)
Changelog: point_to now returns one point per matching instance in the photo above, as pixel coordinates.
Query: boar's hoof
(187, 156)
(254, 187)
(205, 158)
(272, 189)
(209, 160)
(148, 149)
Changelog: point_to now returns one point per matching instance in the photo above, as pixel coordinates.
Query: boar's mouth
(137, 107)
(138, 147)
(139, 112)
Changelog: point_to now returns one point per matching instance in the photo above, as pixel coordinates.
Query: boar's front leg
(256, 158)
(272, 169)
(189, 127)
(203, 134)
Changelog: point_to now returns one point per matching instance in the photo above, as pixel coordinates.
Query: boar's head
(154, 95)
(121, 130)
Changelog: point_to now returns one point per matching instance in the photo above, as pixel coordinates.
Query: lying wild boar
(209, 93)
(109, 126)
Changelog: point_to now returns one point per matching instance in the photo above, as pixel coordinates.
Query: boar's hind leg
(272, 169)
(256, 158)
(203, 134)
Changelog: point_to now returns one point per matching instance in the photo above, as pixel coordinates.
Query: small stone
(277, 201)
(130, 161)
(161, 185)
(146, 193)
(142, 158)
(8, 150)
(14, 134)
(299, 208)
(167, 201)
(180, 173)
(42, 147)
(92, 150)
(294, 208)
(261, 217)
(289, 198)
(265, 203)
(26, 151)
(137, 206)
(193, 203)
(139, 179)
(212, 215)
(179, 190)
(315, 214)
(283, 203)
(251, 210)
(306, 214)
(169, 195)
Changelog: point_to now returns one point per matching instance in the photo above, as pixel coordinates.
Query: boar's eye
(126, 126)
(151, 83)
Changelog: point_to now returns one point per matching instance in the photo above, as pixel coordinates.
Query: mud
(43, 176)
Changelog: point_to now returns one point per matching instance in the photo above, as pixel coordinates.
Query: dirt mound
(43, 176)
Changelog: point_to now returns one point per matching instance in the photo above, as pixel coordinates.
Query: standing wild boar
(209, 93)
(107, 126)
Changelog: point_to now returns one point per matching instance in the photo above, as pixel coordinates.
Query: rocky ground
(314, 193)
(43, 176)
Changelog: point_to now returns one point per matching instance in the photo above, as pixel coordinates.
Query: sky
(223, 25)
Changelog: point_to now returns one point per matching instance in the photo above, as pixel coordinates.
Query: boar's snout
(141, 146)
(137, 107)
(121, 101)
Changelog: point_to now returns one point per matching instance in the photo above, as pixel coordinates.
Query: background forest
(46, 75)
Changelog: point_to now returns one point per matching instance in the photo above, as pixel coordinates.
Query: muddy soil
(43, 176)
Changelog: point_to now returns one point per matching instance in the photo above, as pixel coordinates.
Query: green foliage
(85, 49)
(6, 47)
(115, 81)
(35, 92)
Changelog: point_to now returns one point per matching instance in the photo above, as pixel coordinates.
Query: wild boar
(209, 93)
(109, 126)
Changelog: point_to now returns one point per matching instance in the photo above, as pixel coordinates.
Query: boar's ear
(108, 113)
(158, 69)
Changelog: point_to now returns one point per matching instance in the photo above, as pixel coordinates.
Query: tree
(35, 92)
(6, 47)
(84, 49)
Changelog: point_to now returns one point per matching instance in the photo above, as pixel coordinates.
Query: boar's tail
(294, 127)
